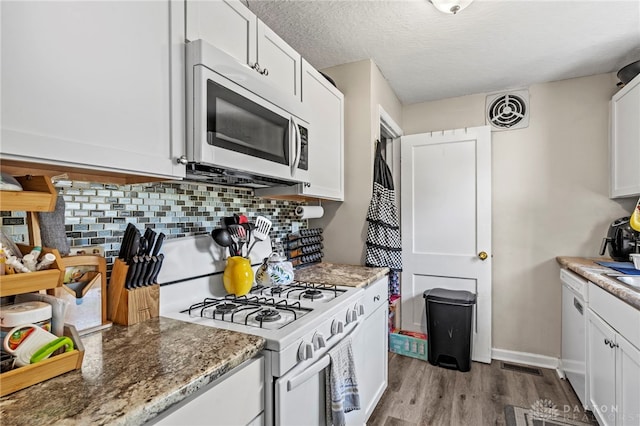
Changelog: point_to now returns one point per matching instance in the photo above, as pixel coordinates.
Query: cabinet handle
(577, 305)
(265, 72)
(182, 160)
(376, 298)
(615, 345)
(607, 342)
(256, 66)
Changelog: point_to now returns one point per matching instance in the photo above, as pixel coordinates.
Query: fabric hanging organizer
(384, 247)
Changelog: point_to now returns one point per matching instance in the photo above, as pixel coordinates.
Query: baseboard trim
(534, 360)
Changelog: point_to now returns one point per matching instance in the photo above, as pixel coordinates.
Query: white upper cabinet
(325, 106)
(326, 135)
(231, 27)
(625, 141)
(96, 85)
(226, 24)
(278, 61)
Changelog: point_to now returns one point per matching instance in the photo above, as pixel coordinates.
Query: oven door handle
(314, 369)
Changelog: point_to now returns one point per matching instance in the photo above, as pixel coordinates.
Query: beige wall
(550, 198)
(364, 88)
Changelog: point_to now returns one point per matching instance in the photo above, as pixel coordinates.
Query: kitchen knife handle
(131, 272)
(150, 243)
(149, 268)
(139, 266)
(126, 241)
(156, 269)
(158, 245)
(144, 268)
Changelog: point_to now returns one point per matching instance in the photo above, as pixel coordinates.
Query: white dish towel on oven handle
(341, 384)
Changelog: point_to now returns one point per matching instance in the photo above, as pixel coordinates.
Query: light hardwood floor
(419, 393)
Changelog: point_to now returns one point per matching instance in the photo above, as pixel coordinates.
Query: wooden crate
(38, 195)
(33, 281)
(23, 377)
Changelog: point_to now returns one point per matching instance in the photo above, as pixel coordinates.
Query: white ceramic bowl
(635, 258)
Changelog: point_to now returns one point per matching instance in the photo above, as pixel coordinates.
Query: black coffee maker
(621, 239)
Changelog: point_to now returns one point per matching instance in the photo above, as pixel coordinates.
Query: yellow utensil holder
(238, 276)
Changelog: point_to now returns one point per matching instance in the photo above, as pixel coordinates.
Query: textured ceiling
(492, 45)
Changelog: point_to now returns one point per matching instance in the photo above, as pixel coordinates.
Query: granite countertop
(131, 374)
(589, 269)
(337, 274)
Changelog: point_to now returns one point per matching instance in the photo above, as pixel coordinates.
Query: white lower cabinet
(237, 398)
(602, 369)
(370, 349)
(94, 85)
(613, 361)
(628, 379)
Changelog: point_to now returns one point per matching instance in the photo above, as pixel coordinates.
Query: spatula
(239, 234)
(261, 231)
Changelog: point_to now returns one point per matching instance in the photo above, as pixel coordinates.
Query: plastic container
(409, 344)
(38, 313)
(449, 323)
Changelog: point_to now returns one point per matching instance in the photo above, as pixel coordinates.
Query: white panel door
(446, 224)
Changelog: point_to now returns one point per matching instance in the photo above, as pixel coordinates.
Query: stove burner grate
(268, 315)
(239, 309)
(225, 308)
(312, 294)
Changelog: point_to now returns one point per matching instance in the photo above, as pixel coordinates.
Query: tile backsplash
(97, 214)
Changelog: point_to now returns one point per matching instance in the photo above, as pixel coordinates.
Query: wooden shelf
(38, 195)
(33, 281)
(23, 377)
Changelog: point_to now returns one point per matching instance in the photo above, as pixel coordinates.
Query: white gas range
(300, 322)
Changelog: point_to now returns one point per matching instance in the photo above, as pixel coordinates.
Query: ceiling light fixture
(450, 6)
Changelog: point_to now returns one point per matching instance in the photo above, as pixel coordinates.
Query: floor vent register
(521, 368)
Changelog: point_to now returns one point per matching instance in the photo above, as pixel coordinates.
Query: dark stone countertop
(589, 269)
(131, 374)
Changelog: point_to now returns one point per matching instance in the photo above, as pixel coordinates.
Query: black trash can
(449, 322)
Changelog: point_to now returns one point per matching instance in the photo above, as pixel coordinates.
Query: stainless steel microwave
(239, 126)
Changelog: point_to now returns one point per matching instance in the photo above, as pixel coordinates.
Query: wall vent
(508, 111)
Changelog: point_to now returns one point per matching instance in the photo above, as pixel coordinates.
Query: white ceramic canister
(33, 312)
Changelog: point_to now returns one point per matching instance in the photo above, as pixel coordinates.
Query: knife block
(130, 306)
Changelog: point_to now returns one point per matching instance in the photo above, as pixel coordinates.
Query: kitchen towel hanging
(341, 384)
(384, 247)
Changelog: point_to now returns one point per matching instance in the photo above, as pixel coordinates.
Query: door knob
(483, 255)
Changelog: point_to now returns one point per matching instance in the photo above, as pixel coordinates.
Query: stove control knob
(352, 316)
(305, 351)
(360, 309)
(337, 327)
(319, 341)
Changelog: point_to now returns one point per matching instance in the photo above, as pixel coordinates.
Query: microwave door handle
(298, 142)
